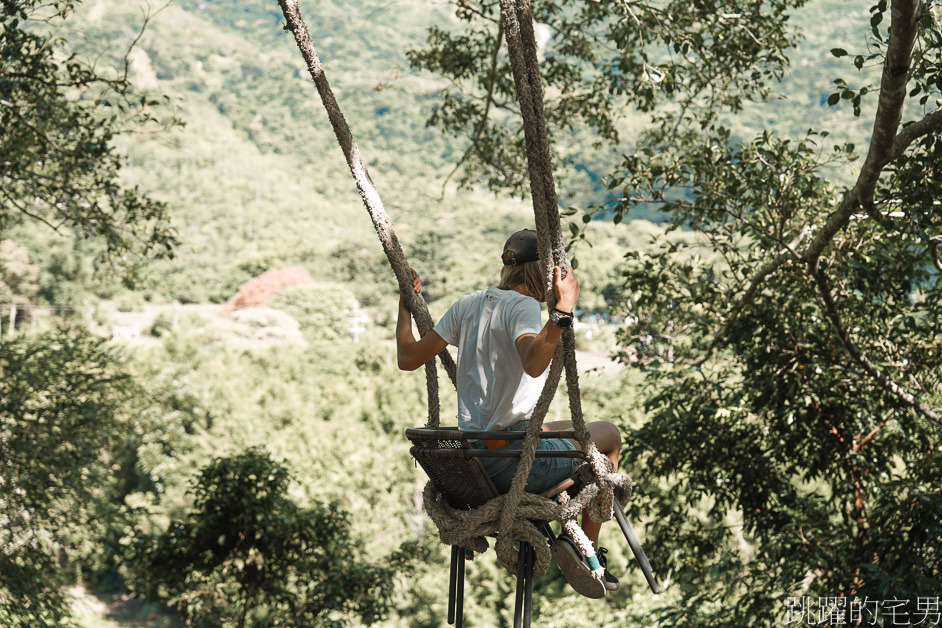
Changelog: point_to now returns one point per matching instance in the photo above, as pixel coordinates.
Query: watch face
(563, 322)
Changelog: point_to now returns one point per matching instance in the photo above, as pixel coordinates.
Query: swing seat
(455, 470)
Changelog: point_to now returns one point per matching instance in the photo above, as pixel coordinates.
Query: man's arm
(536, 350)
(412, 354)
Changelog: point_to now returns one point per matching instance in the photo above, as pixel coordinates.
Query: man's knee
(605, 435)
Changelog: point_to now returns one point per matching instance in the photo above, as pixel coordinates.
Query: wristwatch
(562, 319)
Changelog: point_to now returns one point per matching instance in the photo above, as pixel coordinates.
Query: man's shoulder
(514, 299)
(516, 307)
(474, 297)
(510, 299)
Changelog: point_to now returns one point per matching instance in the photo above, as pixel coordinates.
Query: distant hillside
(256, 180)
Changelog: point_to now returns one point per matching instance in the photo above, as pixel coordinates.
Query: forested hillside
(255, 176)
(143, 424)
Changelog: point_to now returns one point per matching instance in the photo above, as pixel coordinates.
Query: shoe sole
(577, 573)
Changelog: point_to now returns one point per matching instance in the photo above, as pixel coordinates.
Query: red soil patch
(256, 291)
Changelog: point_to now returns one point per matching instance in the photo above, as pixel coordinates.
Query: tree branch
(934, 253)
(914, 131)
(148, 16)
(39, 132)
(899, 53)
(785, 255)
(489, 99)
(830, 308)
(22, 209)
(885, 146)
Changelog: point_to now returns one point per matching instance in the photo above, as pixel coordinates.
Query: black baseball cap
(524, 246)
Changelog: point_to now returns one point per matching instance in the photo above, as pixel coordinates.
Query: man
(504, 352)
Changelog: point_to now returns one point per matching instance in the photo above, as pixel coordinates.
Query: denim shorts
(545, 472)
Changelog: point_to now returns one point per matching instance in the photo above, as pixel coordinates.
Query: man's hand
(566, 289)
(536, 350)
(416, 286)
(411, 354)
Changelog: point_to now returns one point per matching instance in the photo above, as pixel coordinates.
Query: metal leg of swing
(528, 591)
(459, 611)
(521, 584)
(635, 546)
(456, 558)
(523, 605)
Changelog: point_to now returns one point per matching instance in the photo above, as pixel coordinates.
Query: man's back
(494, 392)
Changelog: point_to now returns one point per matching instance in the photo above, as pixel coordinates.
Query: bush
(246, 555)
(65, 403)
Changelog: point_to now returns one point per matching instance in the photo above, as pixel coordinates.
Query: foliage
(791, 349)
(598, 57)
(19, 279)
(64, 404)
(248, 555)
(794, 375)
(65, 396)
(323, 309)
(60, 117)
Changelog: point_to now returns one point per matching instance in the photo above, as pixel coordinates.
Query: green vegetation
(60, 118)
(771, 460)
(247, 554)
(66, 403)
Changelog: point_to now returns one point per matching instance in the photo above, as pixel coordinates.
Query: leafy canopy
(59, 116)
(598, 59)
(249, 555)
(65, 405)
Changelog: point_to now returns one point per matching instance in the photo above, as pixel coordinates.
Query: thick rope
(370, 196)
(469, 528)
(517, 19)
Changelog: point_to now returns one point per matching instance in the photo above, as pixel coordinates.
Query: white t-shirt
(494, 391)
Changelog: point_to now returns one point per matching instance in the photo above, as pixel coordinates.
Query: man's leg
(608, 440)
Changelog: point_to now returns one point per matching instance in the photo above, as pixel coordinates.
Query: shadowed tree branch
(830, 308)
(885, 146)
(488, 101)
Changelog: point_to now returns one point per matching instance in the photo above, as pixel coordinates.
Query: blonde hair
(530, 274)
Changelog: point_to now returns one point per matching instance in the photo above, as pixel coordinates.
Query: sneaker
(611, 582)
(573, 566)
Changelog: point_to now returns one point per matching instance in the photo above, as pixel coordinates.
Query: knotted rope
(469, 528)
